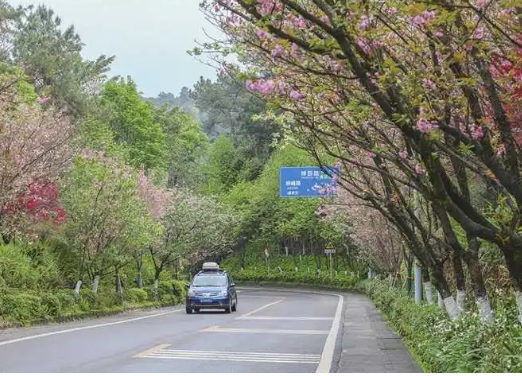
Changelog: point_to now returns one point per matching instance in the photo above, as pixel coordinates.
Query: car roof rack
(210, 266)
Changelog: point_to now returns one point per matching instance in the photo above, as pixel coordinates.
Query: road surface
(272, 331)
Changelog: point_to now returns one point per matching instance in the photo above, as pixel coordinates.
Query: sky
(150, 41)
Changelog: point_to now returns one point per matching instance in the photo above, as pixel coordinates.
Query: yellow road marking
(151, 351)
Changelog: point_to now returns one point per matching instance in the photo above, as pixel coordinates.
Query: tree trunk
(518, 298)
(409, 276)
(139, 281)
(471, 258)
(459, 279)
(77, 288)
(443, 288)
(96, 284)
(428, 290)
(118, 286)
(428, 287)
(440, 302)
(139, 269)
(513, 256)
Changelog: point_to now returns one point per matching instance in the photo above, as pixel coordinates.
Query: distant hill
(182, 101)
(188, 105)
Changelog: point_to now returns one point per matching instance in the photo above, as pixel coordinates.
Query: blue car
(211, 288)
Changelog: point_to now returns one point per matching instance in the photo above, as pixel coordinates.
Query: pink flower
(278, 51)
(43, 100)
(403, 154)
(426, 126)
(479, 33)
(477, 133)
(300, 23)
(482, 3)
(297, 96)
(261, 34)
(419, 170)
(363, 44)
(294, 49)
(371, 155)
(391, 10)
(364, 23)
(418, 20)
(501, 151)
(428, 15)
(439, 34)
(428, 84)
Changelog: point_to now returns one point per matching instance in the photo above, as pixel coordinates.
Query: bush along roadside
(339, 281)
(441, 345)
(28, 307)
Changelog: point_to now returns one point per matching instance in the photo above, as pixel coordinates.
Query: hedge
(441, 345)
(26, 307)
(340, 281)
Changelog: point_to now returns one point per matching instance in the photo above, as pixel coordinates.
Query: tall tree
(52, 58)
(132, 122)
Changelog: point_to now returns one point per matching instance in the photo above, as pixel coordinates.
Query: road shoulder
(367, 344)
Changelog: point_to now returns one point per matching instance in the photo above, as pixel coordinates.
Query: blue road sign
(306, 181)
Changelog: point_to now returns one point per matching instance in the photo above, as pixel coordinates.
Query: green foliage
(52, 58)
(223, 166)
(441, 345)
(187, 146)
(132, 122)
(340, 281)
(30, 306)
(18, 269)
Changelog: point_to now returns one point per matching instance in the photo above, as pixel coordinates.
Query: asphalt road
(272, 331)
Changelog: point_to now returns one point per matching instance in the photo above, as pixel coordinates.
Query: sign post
(329, 251)
(266, 257)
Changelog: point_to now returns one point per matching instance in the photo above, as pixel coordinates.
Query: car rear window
(209, 281)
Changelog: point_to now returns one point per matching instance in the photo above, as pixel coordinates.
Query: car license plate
(206, 300)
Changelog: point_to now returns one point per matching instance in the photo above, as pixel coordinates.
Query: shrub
(51, 305)
(21, 307)
(442, 345)
(340, 281)
(136, 295)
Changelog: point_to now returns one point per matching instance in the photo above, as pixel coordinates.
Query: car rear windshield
(209, 281)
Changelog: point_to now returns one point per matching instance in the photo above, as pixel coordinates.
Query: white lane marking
(238, 353)
(231, 359)
(261, 308)
(230, 356)
(218, 329)
(86, 327)
(329, 347)
(279, 318)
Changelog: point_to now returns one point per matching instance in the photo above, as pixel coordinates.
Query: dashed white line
(261, 308)
(283, 318)
(218, 329)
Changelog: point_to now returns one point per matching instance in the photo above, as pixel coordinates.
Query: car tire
(188, 310)
(229, 308)
(196, 310)
(234, 307)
